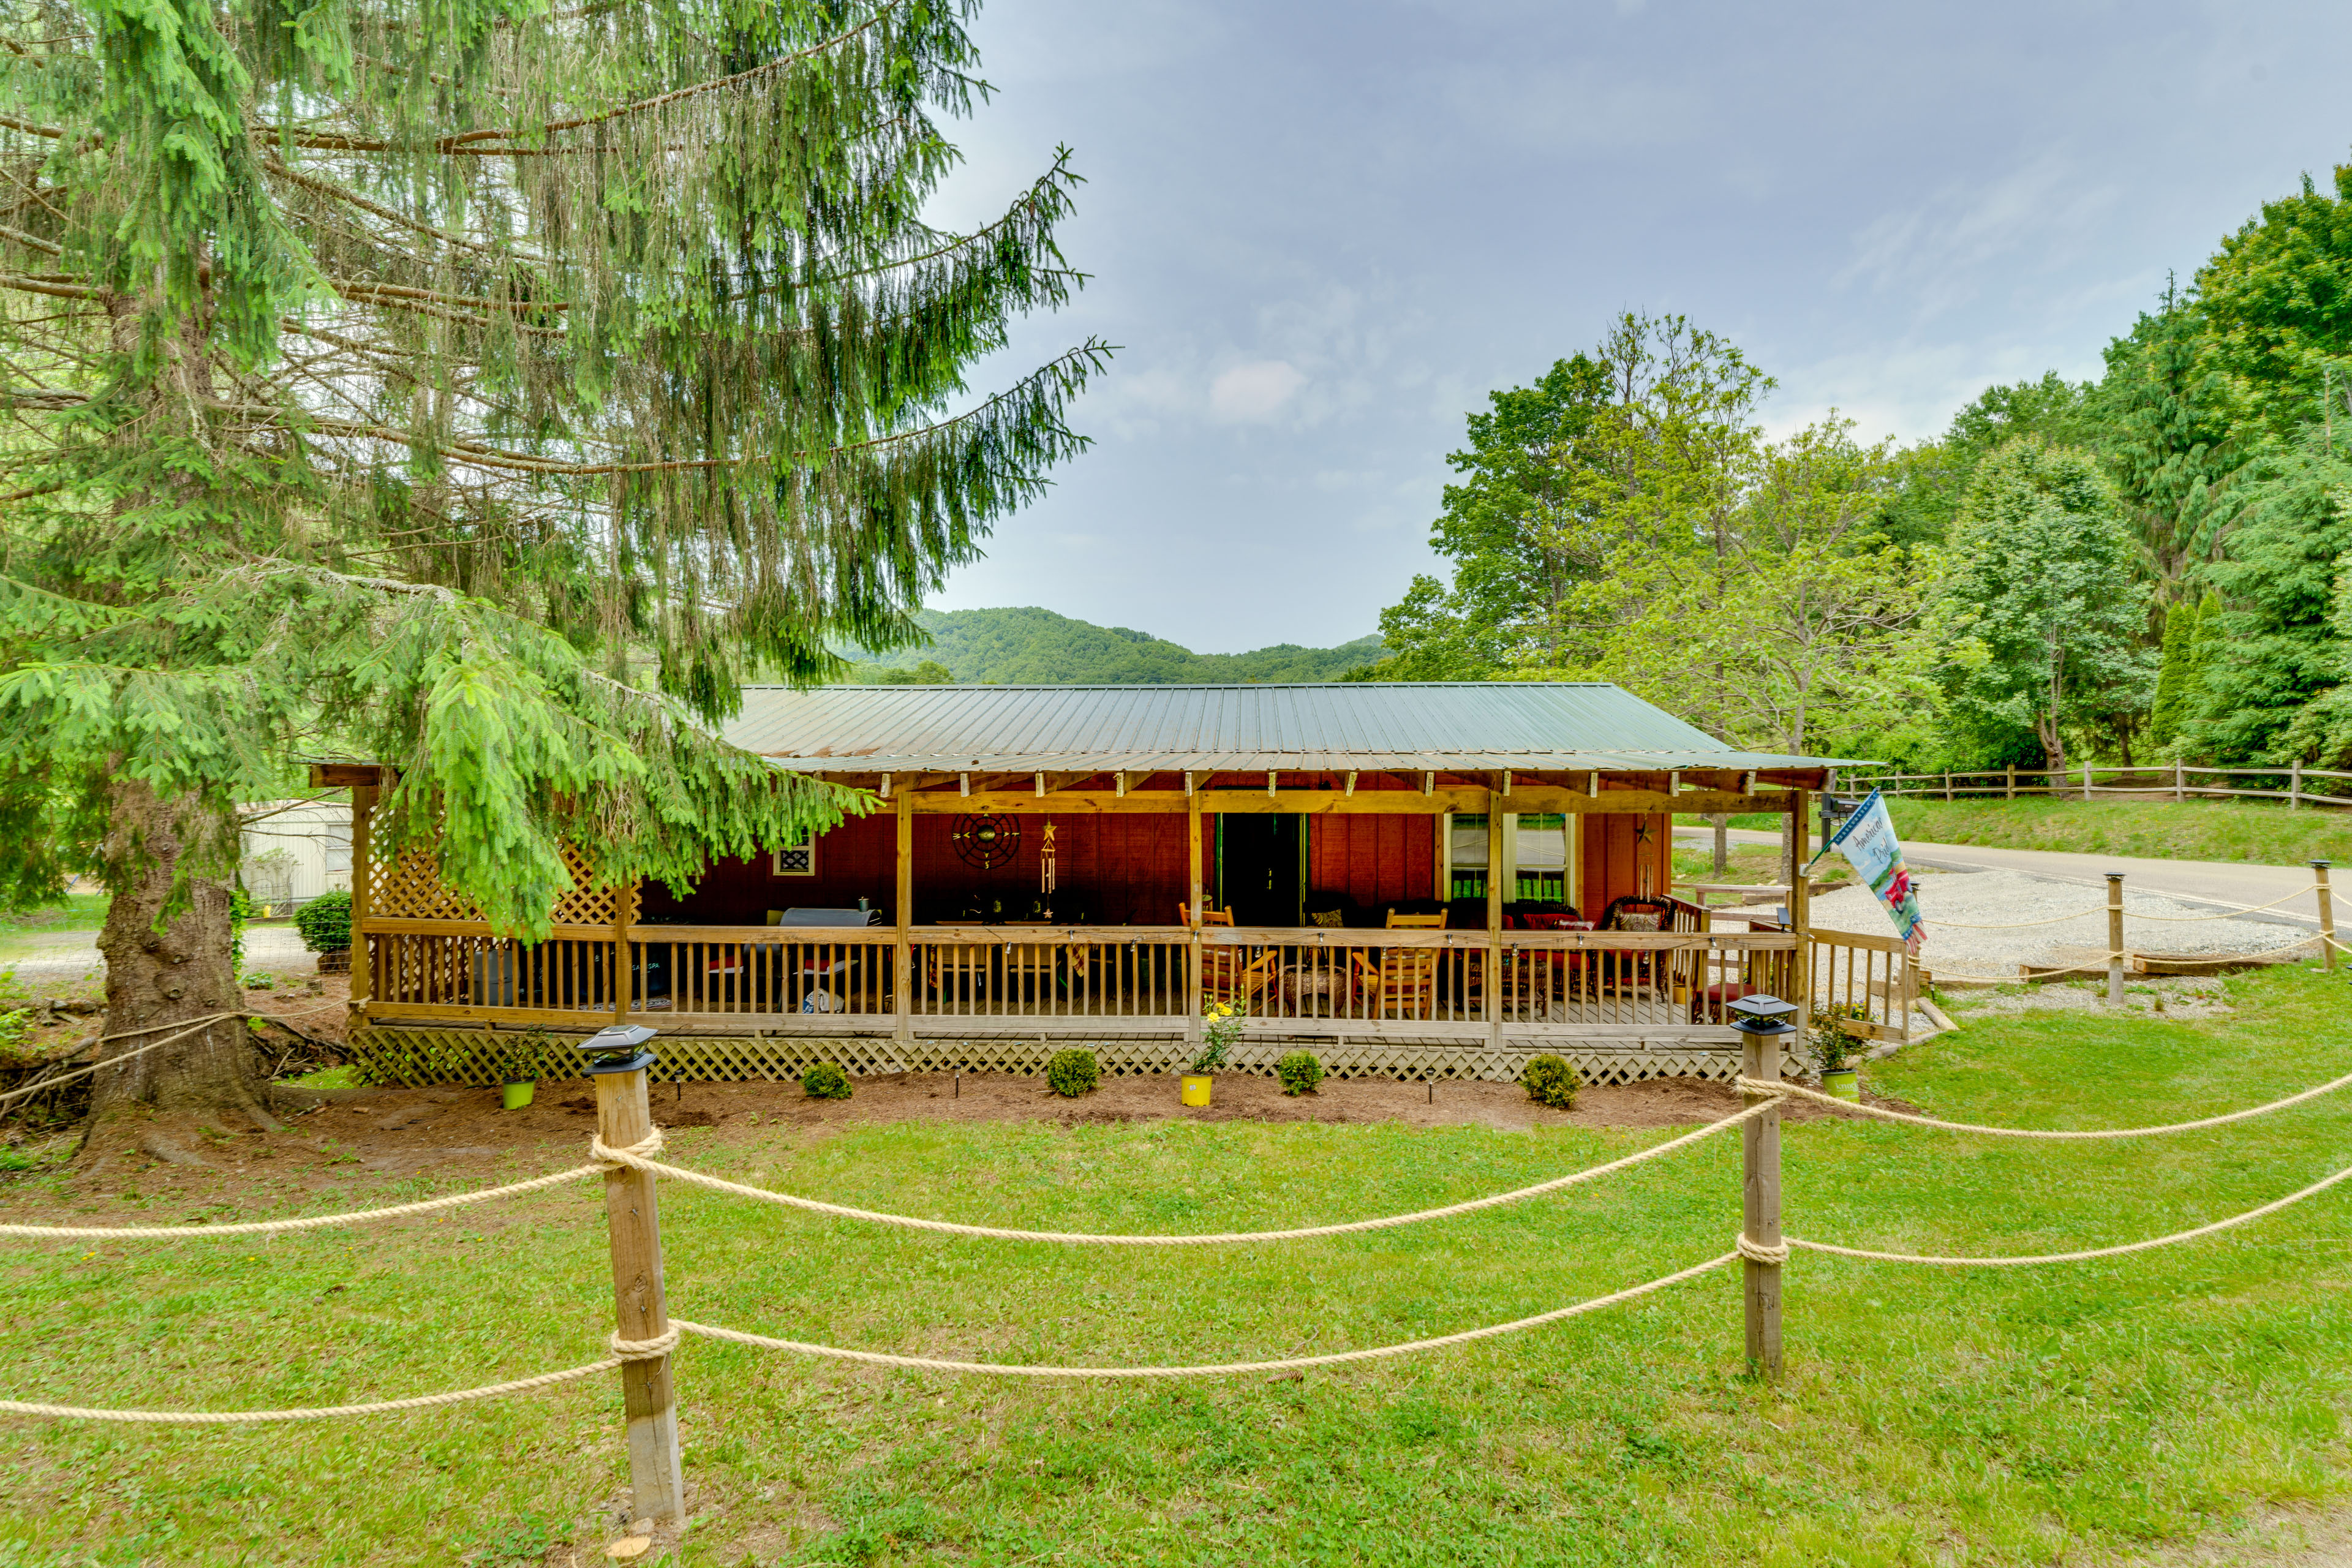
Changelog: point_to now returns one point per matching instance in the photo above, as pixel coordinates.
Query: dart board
(987, 840)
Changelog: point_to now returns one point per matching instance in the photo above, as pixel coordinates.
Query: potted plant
(1220, 1026)
(325, 924)
(1836, 1051)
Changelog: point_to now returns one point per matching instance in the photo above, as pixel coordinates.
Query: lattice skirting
(389, 1054)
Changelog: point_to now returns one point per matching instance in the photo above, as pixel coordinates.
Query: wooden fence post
(1759, 1209)
(2115, 939)
(2011, 794)
(2294, 785)
(2086, 781)
(2327, 912)
(624, 1118)
(2180, 782)
(1948, 787)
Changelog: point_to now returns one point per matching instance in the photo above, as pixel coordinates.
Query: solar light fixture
(618, 1048)
(1762, 1016)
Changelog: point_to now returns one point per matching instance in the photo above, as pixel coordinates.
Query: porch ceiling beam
(1374, 803)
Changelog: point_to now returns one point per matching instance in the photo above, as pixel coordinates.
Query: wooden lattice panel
(587, 904)
(409, 887)
(419, 1057)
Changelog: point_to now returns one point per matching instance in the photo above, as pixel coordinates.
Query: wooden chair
(1403, 984)
(1209, 917)
(1224, 977)
(1416, 922)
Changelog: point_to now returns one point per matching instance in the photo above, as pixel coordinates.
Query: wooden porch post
(625, 917)
(902, 897)
(1496, 870)
(362, 962)
(1193, 879)
(1801, 919)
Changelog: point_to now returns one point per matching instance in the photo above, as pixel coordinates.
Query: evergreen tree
(2173, 674)
(2287, 522)
(2040, 612)
(480, 389)
(2165, 441)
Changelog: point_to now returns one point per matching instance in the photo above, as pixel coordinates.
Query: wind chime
(1046, 869)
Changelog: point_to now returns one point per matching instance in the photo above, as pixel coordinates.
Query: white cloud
(1254, 392)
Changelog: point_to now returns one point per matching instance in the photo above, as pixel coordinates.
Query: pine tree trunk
(167, 978)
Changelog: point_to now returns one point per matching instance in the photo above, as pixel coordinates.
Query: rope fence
(626, 1147)
(1215, 1238)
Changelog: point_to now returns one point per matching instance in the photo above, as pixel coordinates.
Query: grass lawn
(81, 911)
(2189, 830)
(2009, 1416)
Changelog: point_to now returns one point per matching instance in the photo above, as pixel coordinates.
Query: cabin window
(1537, 846)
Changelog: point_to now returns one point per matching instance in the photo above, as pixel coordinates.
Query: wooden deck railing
(1873, 973)
(1070, 979)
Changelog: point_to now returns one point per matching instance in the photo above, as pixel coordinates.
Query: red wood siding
(1376, 861)
(1122, 870)
(1614, 855)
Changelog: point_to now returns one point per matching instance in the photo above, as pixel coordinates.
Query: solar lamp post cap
(1762, 1016)
(618, 1048)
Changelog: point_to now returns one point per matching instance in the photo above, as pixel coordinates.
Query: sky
(1321, 231)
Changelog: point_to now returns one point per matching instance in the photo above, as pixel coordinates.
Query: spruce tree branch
(361, 291)
(522, 462)
(31, 241)
(469, 142)
(336, 193)
(29, 285)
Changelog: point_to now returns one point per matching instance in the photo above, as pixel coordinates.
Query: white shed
(294, 850)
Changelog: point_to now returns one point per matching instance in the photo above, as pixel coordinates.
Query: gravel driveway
(1996, 898)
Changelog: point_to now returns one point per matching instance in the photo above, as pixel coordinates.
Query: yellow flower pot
(1196, 1089)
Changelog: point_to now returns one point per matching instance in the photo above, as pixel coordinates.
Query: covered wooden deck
(1404, 911)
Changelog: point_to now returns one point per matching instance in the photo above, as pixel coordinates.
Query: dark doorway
(1262, 867)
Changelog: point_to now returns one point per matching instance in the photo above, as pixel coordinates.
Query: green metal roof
(1446, 726)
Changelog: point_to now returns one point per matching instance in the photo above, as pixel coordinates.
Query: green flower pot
(1841, 1083)
(518, 1091)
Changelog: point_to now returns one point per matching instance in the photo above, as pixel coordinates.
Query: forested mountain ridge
(1029, 646)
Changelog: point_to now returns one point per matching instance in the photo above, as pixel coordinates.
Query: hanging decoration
(1046, 861)
(986, 840)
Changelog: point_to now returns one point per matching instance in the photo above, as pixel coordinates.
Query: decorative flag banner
(1868, 841)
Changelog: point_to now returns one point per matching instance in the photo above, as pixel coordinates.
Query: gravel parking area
(1990, 898)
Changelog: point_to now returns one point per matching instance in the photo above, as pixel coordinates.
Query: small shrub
(325, 923)
(1833, 1048)
(1300, 1072)
(1073, 1073)
(258, 981)
(825, 1081)
(1551, 1080)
